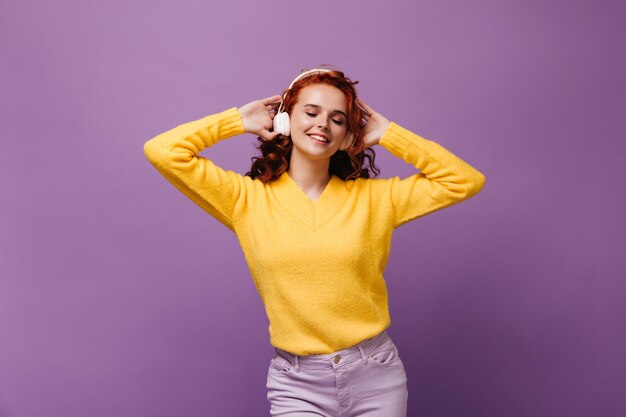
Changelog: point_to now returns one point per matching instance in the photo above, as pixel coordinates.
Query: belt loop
(362, 353)
(297, 363)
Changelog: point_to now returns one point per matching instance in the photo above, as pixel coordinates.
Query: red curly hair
(347, 164)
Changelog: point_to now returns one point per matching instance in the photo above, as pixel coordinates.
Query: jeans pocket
(278, 364)
(381, 378)
(385, 354)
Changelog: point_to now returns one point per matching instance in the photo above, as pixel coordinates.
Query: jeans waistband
(360, 351)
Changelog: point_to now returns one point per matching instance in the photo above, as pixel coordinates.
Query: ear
(347, 141)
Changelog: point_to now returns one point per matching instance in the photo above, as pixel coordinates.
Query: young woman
(316, 233)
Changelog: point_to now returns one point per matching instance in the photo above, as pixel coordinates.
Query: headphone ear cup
(281, 123)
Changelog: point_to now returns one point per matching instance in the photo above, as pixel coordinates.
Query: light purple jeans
(365, 380)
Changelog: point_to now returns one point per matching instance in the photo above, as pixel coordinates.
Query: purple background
(120, 297)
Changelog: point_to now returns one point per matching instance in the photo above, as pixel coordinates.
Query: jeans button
(336, 359)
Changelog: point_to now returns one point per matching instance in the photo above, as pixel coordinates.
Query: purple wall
(120, 297)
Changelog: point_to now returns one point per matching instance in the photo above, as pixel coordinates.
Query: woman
(316, 233)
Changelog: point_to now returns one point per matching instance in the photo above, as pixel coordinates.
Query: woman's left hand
(375, 125)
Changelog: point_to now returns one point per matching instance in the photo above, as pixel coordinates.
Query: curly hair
(346, 164)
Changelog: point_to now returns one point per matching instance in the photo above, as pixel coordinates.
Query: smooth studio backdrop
(120, 297)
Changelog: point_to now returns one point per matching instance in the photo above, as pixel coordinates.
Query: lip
(317, 141)
(321, 135)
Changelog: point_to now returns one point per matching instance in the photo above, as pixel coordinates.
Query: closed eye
(337, 122)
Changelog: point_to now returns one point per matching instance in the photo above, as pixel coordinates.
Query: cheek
(299, 120)
(340, 131)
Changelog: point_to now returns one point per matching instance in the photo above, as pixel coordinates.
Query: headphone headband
(304, 74)
(309, 72)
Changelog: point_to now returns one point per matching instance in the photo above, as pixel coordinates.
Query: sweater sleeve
(175, 155)
(444, 180)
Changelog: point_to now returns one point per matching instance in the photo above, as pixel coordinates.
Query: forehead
(323, 95)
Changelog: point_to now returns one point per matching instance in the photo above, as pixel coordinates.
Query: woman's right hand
(257, 116)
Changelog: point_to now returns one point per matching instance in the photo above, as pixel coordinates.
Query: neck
(311, 175)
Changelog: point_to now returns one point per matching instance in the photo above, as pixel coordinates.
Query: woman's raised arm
(175, 155)
(444, 180)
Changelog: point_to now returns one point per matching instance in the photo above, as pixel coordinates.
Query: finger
(267, 135)
(271, 107)
(271, 100)
(367, 108)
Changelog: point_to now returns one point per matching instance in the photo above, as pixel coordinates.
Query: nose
(322, 122)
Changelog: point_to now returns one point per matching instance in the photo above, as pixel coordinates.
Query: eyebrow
(319, 107)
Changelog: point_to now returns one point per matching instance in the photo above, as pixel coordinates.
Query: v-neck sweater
(317, 264)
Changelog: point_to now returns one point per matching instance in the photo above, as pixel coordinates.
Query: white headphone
(281, 119)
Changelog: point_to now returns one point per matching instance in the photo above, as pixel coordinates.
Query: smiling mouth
(319, 138)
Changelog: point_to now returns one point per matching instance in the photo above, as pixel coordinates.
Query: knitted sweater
(317, 265)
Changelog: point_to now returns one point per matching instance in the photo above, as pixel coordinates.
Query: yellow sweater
(317, 265)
